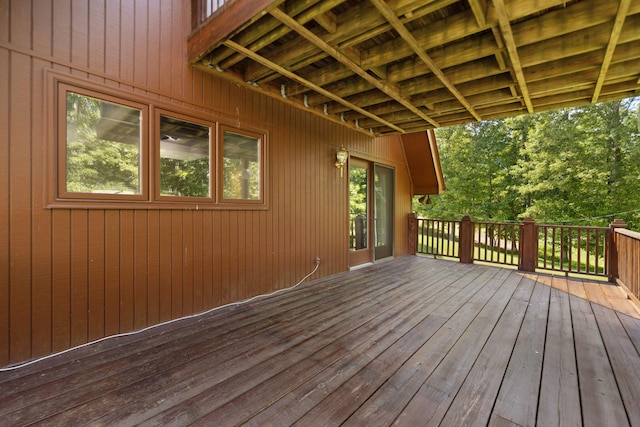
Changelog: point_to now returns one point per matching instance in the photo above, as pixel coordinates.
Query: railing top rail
(497, 223)
(572, 227)
(439, 220)
(628, 233)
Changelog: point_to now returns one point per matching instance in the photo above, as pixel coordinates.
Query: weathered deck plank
(435, 366)
(600, 397)
(559, 402)
(414, 341)
(517, 401)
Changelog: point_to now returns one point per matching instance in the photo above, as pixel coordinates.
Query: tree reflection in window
(184, 158)
(241, 165)
(102, 146)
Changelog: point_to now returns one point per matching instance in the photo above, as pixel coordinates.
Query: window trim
(55, 111)
(262, 153)
(213, 167)
(61, 146)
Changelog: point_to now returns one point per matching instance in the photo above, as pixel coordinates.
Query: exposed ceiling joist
(399, 66)
(341, 57)
(479, 9)
(507, 35)
(299, 79)
(611, 46)
(406, 35)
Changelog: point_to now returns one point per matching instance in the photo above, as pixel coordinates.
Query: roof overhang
(402, 66)
(423, 161)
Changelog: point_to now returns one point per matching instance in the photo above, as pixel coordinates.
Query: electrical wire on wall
(126, 334)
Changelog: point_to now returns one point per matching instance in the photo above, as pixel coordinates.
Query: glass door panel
(359, 212)
(383, 208)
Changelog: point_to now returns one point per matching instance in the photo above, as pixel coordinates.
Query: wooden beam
(499, 58)
(393, 92)
(479, 9)
(328, 21)
(299, 9)
(611, 47)
(408, 11)
(507, 35)
(413, 43)
(299, 79)
(446, 31)
(238, 14)
(276, 93)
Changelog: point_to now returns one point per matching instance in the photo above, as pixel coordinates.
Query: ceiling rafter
(299, 79)
(611, 47)
(391, 17)
(479, 9)
(341, 57)
(275, 30)
(454, 27)
(507, 35)
(343, 36)
(343, 60)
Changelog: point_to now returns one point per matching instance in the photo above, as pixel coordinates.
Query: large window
(113, 149)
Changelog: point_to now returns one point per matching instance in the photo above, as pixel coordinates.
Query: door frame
(384, 251)
(367, 255)
(361, 256)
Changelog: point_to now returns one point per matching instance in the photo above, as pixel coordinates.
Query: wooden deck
(414, 341)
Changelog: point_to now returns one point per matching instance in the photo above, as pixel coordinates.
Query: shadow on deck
(413, 341)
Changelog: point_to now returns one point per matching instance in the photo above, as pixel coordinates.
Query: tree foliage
(95, 164)
(579, 165)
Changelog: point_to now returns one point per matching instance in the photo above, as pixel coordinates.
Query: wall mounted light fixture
(426, 199)
(341, 158)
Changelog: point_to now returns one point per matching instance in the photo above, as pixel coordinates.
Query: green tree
(556, 166)
(577, 163)
(96, 164)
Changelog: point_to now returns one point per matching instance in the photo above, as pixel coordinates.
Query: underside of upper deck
(412, 341)
(402, 66)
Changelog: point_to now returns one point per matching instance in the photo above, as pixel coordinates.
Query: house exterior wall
(71, 275)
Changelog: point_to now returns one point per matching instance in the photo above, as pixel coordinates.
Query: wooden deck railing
(205, 8)
(625, 258)
(438, 237)
(612, 252)
(573, 249)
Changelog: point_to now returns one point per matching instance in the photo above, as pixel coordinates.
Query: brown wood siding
(70, 276)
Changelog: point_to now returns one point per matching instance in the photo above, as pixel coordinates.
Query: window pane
(241, 167)
(358, 205)
(103, 146)
(184, 158)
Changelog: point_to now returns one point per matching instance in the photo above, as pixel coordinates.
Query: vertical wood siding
(70, 276)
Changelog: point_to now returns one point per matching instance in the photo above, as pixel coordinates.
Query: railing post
(466, 240)
(413, 233)
(612, 249)
(528, 260)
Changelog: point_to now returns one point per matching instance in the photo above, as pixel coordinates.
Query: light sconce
(425, 199)
(341, 158)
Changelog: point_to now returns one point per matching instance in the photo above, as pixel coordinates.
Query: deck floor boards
(412, 341)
